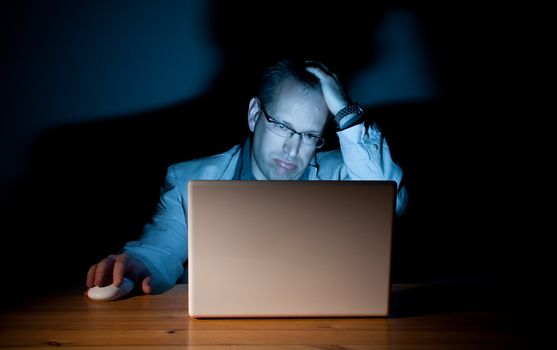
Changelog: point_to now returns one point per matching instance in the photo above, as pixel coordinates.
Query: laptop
(289, 248)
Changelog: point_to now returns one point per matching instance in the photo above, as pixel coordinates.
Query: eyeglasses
(282, 130)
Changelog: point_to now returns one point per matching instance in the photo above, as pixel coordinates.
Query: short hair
(275, 75)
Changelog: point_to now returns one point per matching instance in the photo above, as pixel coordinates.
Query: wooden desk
(71, 321)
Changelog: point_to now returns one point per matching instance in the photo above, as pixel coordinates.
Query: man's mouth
(284, 164)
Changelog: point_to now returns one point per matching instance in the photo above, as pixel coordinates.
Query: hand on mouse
(111, 292)
(112, 269)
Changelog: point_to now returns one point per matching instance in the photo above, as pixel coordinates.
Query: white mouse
(111, 292)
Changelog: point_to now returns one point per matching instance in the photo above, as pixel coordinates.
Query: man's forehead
(302, 112)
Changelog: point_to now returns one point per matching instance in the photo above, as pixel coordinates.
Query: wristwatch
(353, 108)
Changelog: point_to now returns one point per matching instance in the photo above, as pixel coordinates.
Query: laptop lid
(289, 248)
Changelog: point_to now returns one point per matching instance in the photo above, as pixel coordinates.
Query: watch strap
(353, 108)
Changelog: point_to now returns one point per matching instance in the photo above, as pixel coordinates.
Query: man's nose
(292, 145)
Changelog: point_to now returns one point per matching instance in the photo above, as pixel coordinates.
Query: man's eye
(282, 126)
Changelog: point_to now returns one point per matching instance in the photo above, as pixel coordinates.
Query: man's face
(278, 158)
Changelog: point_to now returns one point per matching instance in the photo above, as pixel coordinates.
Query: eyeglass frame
(292, 131)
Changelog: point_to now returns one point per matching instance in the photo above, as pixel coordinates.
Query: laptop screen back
(289, 248)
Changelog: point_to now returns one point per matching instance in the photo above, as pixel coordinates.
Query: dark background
(97, 100)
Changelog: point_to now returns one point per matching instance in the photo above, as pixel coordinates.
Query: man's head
(287, 119)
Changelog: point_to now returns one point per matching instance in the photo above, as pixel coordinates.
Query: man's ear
(253, 113)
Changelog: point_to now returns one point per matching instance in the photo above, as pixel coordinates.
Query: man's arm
(155, 261)
(366, 156)
(365, 152)
(163, 246)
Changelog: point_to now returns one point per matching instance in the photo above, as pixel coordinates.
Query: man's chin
(285, 175)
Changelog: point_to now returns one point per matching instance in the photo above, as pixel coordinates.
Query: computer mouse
(111, 292)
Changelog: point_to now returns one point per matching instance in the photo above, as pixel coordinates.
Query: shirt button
(375, 146)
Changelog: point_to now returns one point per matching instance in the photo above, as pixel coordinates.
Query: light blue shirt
(363, 155)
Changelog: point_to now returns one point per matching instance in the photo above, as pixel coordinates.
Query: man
(287, 119)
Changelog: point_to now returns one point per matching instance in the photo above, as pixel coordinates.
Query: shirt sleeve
(366, 156)
(162, 246)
